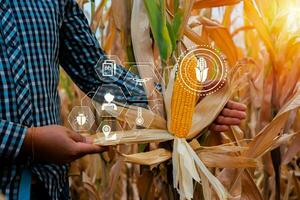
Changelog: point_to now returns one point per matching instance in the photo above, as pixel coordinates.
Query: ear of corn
(184, 98)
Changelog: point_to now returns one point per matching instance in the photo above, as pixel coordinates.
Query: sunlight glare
(293, 20)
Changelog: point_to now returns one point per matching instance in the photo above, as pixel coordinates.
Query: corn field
(260, 40)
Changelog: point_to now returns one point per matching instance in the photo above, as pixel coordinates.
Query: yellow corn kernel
(184, 99)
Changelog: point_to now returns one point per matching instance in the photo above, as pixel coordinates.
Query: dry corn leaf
(231, 179)
(243, 28)
(286, 194)
(114, 175)
(283, 139)
(194, 37)
(264, 140)
(154, 157)
(297, 185)
(214, 3)
(292, 150)
(206, 188)
(238, 135)
(97, 16)
(225, 149)
(90, 186)
(292, 104)
(221, 36)
(119, 14)
(220, 160)
(168, 96)
(110, 39)
(250, 191)
(227, 16)
(288, 85)
(255, 17)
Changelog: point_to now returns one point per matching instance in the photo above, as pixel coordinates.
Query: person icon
(109, 105)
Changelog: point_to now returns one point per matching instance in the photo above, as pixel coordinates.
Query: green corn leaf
(172, 35)
(158, 24)
(177, 22)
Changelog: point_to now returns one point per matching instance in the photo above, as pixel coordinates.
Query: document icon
(108, 68)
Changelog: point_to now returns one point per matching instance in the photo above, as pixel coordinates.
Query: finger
(219, 128)
(233, 113)
(84, 149)
(227, 121)
(77, 137)
(89, 140)
(236, 106)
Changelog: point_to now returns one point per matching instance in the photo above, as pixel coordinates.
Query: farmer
(37, 36)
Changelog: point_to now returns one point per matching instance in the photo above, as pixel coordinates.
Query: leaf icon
(201, 70)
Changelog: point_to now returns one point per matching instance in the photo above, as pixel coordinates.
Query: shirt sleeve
(80, 53)
(11, 139)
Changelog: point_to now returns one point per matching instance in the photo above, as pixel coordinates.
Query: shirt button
(13, 43)
(28, 122)
(22, 83)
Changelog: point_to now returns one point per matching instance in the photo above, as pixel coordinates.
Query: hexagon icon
(109, 100)
(81, 118)
(139, 117)
(134, 82)
(107, 69)
(109, 131)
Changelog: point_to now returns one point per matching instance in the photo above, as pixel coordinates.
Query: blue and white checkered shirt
(36, 37)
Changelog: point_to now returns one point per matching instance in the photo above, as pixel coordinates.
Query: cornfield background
(263, 35)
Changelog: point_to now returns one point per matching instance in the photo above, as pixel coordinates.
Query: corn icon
(201, 70)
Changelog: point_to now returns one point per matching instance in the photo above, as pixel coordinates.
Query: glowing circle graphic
(211, 70)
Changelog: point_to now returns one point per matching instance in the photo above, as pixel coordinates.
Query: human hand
(232, 114)
(57, 144)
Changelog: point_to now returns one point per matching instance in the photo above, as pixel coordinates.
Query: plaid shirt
(36, 37)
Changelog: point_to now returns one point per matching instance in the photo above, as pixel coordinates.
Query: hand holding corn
(231, 115)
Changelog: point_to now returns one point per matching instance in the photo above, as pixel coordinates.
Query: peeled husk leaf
(134, 137)
(154, 157)
(208, 109)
